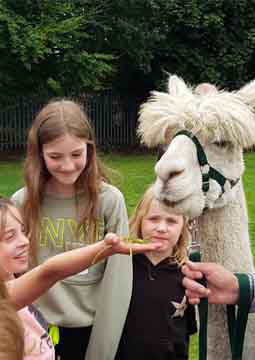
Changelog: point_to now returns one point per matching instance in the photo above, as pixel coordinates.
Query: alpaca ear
(176, 86)
(247, 94)
(205, 88)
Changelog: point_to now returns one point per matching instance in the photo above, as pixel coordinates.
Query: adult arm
(28, 287)
(222, 285)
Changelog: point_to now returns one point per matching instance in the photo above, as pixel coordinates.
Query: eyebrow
(78, 149)
(169, 216)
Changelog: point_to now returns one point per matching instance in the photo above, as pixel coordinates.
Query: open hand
(122, 247)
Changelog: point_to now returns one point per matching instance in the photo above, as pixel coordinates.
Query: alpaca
(224, 124)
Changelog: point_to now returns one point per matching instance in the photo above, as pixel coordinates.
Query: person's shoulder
(18, 196)
(111, 190)
(111, 198)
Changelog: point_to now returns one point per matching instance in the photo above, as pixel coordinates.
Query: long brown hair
(11, 329)
(180, 254)
(58, 118)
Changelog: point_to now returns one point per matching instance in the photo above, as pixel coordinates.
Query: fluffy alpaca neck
(223, 234)
(224, 238)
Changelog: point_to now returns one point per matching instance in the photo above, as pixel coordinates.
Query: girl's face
(14, 245)
(160, 225)
(65, 159)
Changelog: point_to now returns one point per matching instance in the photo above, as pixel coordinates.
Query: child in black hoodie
(160, 319)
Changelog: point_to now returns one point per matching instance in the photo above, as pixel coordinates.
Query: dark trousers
(73, 343)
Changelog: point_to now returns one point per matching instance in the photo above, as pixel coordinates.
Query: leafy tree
(130, 45)
(43, 45)
(211, 41)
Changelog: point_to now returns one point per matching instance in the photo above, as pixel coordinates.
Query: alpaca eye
(222, 144)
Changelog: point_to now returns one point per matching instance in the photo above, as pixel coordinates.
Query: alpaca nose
(167, 171)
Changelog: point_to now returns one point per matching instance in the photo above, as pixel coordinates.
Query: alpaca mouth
(171, 203)
(161, 195)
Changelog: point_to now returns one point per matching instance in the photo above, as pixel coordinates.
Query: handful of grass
(127, 239)
(133, 240)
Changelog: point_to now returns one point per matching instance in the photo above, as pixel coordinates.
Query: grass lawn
(132, 174)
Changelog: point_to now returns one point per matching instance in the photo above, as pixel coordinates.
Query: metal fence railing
(113, 118)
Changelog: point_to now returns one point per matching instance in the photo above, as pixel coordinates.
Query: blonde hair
(56, 119)
(180, 254)
(11, 330)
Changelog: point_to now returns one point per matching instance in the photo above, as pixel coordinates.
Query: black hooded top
(160, 319)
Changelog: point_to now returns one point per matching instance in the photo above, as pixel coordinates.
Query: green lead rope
(203, 313)
(237, 317)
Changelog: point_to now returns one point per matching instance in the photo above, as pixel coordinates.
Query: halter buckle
(193, 228)
(193, 248)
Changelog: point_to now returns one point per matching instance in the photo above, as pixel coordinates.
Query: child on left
(14, 256)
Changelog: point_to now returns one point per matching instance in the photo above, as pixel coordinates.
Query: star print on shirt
(180, 307)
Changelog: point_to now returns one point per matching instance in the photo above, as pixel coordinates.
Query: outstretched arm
(28, 287)
(222, 284)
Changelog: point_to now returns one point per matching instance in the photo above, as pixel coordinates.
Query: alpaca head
(223, 124)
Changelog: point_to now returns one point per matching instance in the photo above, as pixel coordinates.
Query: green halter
(207, 171)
